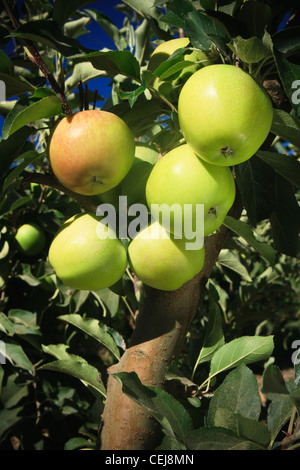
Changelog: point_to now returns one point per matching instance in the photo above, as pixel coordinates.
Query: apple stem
(80, 89)
(36, 58)
(95, 99)
(86, 97)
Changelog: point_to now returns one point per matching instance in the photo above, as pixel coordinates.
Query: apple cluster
(224, 115)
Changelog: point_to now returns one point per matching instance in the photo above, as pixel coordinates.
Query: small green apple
(48, 283)
(30, 239)
(224, 114)
(181, 177)
(134, 184)
(91, 151)
(145, 152)
(86, 254)
(162, 262)
(164, 50)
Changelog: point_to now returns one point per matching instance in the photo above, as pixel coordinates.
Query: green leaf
(243, 350)
(286, 126)
(115, 62)
(279, 413)
(47, 32)
(230, 260)
(59, 351)
(169, 412)
(237, 395)
(255, 180)
(285, 218)
(8, 418)
(108, 299)
(88, 374)
(76, 28)
(287, 41)
(63, 10)
(11, 147)
(17, 357)
(14, 85)
(205, 32)
(79, 443)
(144, 8)
(211, 438)
(285, 165)
(289, 74)
(13, 391)
(274, 386)
(253, 430)
(6, 325)
(29, 110)
(174, 373)
(245, 231)
(82, 72)
(214, 337)
(176, 12)
(254, 17)
(6, 65)
(92, 327)
(132, 96)
(250, 50)
(25, 323)
(28, 158)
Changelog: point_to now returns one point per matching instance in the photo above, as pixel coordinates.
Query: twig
(36, 58)
(89, 203)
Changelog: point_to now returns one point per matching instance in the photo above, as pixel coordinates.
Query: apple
(30, 239)
(162, 262)
(91, 151)
(162, 52)
(48, 283)
(134, 184)
(181, 177)
(224, 114)
(86, 254)
(145, 152)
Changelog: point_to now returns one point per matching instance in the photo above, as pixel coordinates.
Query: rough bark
(157, 340)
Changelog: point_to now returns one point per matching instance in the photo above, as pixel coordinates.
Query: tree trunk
(158, 338)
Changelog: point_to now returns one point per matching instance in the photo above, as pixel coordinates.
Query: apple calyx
(212, 211)
(227, 151)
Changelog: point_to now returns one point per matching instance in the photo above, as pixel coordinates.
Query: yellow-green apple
(30, 239)
(146, 152)
(224, 114)
(134, 184)
(161, 261)
(86, 254)
(183, 179)
(91, 151)
(162, 52)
